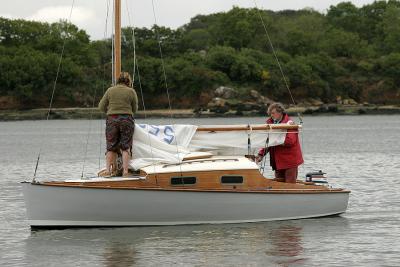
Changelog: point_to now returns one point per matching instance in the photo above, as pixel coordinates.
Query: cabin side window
(231, 179)
(183, 180)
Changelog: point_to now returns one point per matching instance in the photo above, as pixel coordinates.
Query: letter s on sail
(169, 134)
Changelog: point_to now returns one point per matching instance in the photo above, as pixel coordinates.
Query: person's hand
(258, 158)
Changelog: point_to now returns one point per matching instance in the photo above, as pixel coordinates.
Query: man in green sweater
(120, 103)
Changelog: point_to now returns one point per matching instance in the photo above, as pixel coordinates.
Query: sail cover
(171, 143)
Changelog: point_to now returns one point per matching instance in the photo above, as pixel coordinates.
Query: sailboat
(184, 174)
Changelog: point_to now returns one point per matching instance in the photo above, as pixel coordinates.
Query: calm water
(361, 153)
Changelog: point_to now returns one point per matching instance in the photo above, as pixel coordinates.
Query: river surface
(360, 153)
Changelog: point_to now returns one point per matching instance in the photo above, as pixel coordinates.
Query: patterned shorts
(119, 132)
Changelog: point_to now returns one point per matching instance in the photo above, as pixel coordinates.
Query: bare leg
(126, 157)
(110, 161)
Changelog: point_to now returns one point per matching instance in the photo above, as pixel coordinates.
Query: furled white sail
(172, 143)
(235, 143)
(160, 143)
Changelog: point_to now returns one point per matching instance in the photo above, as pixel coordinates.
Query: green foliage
(186, 78)
(339, 43)
(348, 52)
(391, 29)
(346, 16)
(197, 39)
(389, 67)
(240, 66)
(23, 65)
(29, 58)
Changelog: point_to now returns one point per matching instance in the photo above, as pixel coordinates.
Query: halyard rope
(165, 81)
(136, 68)
(276, 58)
(104, 78)
(55, 84)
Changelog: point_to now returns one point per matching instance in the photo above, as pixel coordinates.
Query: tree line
(347, 52)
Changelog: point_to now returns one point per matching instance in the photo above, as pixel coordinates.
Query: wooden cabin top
(217, 174)
(216, 163)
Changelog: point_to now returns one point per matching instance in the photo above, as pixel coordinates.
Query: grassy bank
(94, 113)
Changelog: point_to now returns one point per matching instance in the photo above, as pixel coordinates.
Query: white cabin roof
(208, 164)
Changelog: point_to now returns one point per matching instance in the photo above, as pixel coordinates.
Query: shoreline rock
(94, 113)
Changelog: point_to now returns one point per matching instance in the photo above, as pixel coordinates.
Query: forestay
(171, 143)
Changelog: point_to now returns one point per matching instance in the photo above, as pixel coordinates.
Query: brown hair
(125, 78)
(277, 106)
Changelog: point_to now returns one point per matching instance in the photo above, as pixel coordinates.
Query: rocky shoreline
(225, 102)
(230, 102)
(94, 113)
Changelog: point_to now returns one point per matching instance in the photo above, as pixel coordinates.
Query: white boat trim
(44, 223)
(201, 190)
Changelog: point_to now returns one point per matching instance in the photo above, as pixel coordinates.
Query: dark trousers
(288, 175)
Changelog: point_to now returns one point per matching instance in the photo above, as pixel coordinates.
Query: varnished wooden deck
(206, 181)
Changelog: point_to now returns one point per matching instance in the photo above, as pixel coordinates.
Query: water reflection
(188, 245)
(286, 241)
(119, 254)
(276, 243)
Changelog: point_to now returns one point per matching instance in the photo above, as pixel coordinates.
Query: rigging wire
(103, 83)
(133, 40)
(89, 130)
(281, 71)
(55, 83)
(165, 80)
(264, 160)
(276, 58)
(136, 68)
(93, 103)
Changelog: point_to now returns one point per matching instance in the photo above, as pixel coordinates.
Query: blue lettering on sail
(163, 133)
(169, 134)
(154, 130)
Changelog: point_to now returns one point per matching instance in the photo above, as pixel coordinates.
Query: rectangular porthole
(184, 180)
(232, 179)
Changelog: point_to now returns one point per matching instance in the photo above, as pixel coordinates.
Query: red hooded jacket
(288, 155)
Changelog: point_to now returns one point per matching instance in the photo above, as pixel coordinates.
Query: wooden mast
(117, 39)
(117, 71)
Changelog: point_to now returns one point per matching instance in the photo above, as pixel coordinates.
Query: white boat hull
(49, 206)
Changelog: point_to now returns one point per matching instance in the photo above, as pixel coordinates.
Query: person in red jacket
(285, 158)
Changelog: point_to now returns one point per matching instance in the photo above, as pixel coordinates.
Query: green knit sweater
(119, 99)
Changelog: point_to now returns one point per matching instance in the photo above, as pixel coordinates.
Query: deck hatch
(183, 180)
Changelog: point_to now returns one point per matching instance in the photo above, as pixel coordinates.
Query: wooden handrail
(254, 127)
